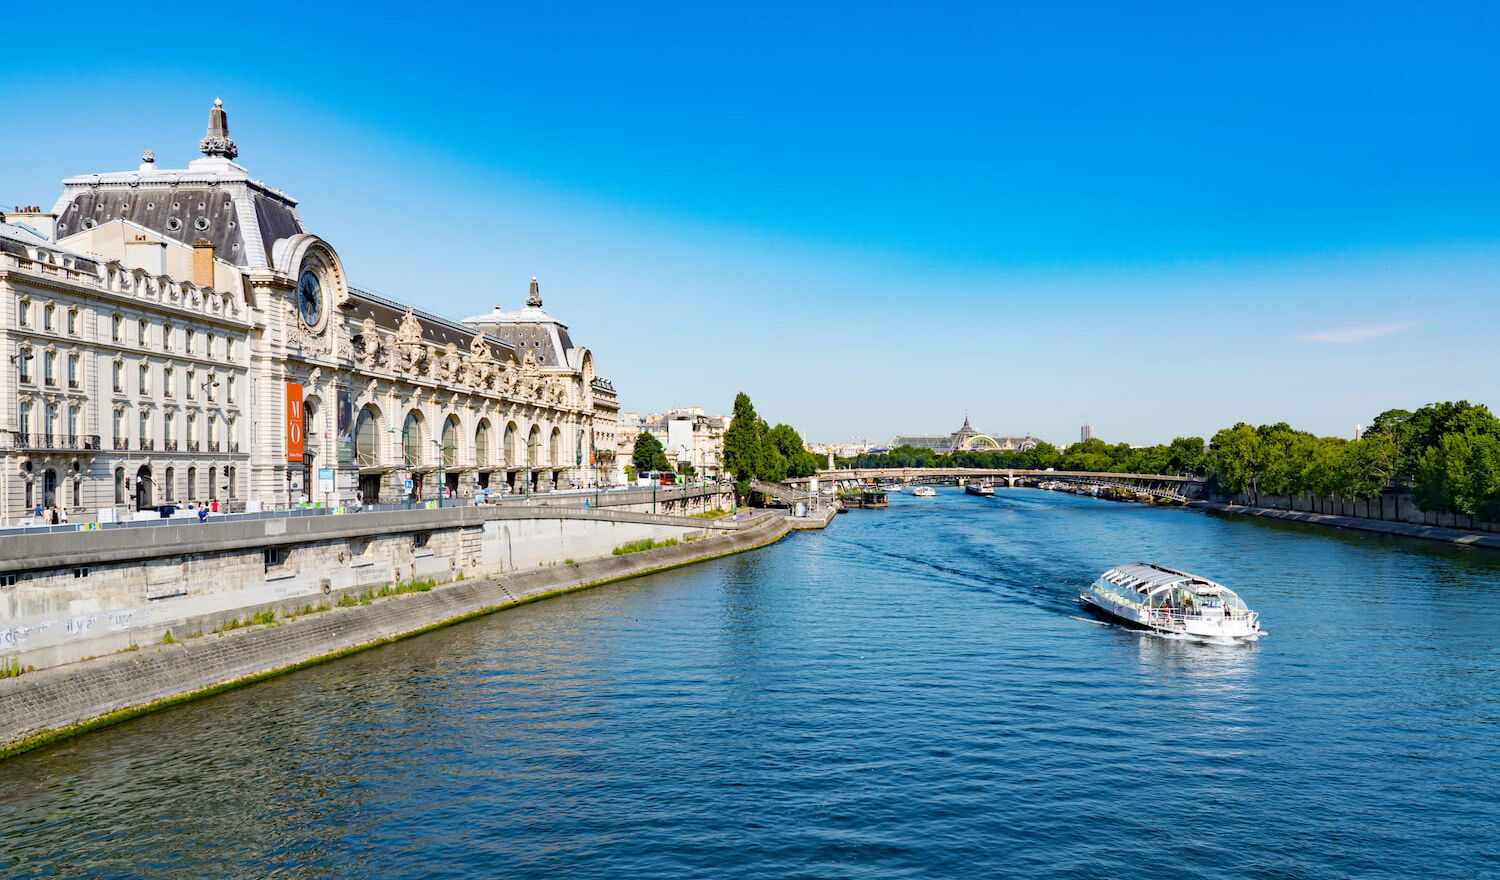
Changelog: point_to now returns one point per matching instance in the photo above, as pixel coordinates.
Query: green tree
(648, 454)
(744, 455)
(1233, 454)
(1185, 456)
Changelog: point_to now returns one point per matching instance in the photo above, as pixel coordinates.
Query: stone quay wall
(66, 596)
(42, 706)
(1394, 507)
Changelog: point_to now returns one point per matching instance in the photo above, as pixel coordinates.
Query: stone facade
(267, 372)
(688, 435)
(126, 386)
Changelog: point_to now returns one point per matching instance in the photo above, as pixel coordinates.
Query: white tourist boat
(982, 489)
(1163, 599)
(924, 491)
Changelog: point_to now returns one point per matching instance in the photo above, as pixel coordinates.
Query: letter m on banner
(294, 425)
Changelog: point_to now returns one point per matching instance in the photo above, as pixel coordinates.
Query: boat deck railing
(1177, 618)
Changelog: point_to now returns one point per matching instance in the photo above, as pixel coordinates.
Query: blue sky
(1163, 218)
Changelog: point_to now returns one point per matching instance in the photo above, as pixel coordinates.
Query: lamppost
(530, 445)
(405, 462)
(442, 453)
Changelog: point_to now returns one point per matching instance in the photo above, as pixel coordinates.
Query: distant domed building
(966, 439)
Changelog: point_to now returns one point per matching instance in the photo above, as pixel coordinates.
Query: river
(912, 693)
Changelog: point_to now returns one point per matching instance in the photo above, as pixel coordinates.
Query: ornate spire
(217, 142)
(535, 299)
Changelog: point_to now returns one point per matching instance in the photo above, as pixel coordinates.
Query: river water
(913, 693)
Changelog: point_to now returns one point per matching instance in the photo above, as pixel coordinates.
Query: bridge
(1166, 487)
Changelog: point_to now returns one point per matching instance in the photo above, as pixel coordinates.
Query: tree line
(755, 450)
(1446, 454)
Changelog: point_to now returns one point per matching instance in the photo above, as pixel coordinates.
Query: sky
(1159, 218)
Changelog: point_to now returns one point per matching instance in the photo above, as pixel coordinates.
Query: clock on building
(310, 298)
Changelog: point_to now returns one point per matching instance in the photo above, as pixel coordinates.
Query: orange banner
(294, 437)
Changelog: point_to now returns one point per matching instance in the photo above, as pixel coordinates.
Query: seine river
(913, 693)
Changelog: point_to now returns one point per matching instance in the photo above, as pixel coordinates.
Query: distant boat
(984, 490)
(924, 492)
(1152, 597)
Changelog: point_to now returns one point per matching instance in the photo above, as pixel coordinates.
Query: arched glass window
(512, 445)
(482, 444)
(119, 485)
(554, 448)
(367, 438)
(450, 442)
(170, 485)
(411, 439)
(533, 445)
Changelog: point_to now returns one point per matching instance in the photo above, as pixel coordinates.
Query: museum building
(177, 335)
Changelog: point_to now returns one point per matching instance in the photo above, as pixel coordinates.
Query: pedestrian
(359, 500)
(214, 505)
(202, 514)
(62, 515)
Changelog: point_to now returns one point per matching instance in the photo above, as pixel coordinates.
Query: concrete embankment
(58, 702)
(1383, 527)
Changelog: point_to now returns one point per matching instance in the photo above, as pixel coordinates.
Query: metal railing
(17, 440)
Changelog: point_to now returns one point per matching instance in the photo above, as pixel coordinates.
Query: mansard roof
(213, 198)
(436, 330)
(531, 328)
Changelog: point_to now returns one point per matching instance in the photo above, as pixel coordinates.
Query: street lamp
(405, 462)
(442, 486)
(530, 445)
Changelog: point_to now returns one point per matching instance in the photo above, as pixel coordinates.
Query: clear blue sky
(1161, 217)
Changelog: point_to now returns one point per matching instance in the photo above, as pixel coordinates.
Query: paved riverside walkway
(1379, 526)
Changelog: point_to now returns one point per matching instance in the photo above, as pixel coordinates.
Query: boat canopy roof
(1148, 579)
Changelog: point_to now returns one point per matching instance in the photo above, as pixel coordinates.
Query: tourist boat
(924, 491)
(985, 490)
(1165, 600)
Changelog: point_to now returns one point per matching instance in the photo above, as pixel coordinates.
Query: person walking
(62, 515)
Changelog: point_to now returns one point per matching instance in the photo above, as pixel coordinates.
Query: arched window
(170, 485)
(482, 443)
(367, 438)
(534, 445)
(511, 445)
(554, 448)
(450, 442)
(119, 485)
(309, 418)
(192, 484)
(213, 479)
(411, 439)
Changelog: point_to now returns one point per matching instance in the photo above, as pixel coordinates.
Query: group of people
(51, 515)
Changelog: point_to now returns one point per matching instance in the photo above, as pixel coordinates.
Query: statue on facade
(367, 352)
(410, 351)
(450, 365)
(480, 366)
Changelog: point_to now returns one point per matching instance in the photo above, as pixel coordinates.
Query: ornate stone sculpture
(368, 350)
(450, 365)
(410, 351)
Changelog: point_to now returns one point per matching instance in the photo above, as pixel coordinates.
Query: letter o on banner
(294, 438)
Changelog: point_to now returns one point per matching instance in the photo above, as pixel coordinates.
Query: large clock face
(310, 298)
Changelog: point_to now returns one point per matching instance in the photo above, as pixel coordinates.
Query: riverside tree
(648, 454)
(755, 451)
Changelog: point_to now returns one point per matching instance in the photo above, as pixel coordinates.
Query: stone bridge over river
(1163, 486)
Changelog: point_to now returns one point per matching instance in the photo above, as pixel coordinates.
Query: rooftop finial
(148, 157)
(535, 299)
(217, 142)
